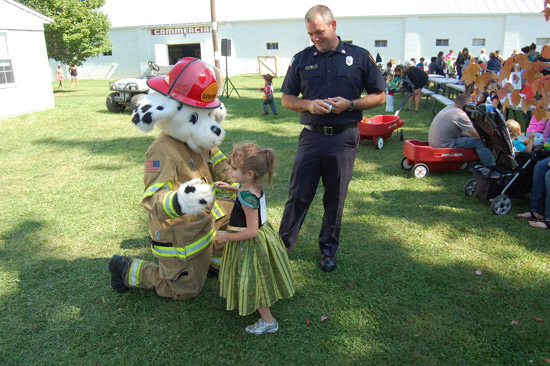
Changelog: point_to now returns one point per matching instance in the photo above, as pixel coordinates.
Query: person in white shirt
(483, 57)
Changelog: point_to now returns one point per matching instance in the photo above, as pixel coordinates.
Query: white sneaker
(261, 327)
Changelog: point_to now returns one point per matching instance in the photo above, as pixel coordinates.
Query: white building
(25, 84)
(169, 30)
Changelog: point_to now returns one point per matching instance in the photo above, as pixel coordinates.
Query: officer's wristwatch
(350, 109)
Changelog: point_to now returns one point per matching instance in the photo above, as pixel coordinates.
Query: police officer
(330, 76)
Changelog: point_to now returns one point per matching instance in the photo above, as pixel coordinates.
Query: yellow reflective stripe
(168, 204)
(216, 260)
(217, 211)
(179, 252)
(134, 272)
(217, 157)
(155, 187)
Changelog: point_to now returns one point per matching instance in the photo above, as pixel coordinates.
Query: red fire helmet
(191, 82)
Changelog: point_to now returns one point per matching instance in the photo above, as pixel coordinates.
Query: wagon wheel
(401, 136)
(379, 143)
(405, 164)
(501, 205)
(470, 187)
(420, 170)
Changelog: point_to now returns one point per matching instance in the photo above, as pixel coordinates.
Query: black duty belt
(330, 130)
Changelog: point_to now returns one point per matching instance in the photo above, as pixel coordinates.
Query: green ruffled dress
(254, 272)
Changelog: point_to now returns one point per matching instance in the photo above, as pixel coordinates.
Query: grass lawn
(425, 274)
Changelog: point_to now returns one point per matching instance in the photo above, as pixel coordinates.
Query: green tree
(79, 30)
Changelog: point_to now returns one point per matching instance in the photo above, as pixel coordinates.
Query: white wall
(407, 37)
(32, 90)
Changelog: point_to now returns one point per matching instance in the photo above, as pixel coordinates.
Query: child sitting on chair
(520, 142)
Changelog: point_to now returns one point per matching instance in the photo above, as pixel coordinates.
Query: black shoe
(118, 266)
(328, 263)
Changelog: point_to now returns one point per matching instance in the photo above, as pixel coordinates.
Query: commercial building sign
(183, 30)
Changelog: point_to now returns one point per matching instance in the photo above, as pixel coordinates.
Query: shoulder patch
(152, 166)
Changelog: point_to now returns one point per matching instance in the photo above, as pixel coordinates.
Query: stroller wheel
(470, 187)
(501, 205)
(420, 170)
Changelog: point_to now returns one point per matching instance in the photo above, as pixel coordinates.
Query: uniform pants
(331, 159)
(176, 278)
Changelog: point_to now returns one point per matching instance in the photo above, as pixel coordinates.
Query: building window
(6, 72)
(6, 69)
(442, 43)
(381, 43)
(272, 45)
(480, 42)
(542, 41)
(108, 53)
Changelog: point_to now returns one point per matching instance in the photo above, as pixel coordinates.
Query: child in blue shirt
(520, 142)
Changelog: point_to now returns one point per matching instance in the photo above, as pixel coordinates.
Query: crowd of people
(453, 128)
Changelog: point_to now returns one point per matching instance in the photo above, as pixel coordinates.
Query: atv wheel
(134, 102)
(113, 106)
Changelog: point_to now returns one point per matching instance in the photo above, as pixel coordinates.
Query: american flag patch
(152, 166)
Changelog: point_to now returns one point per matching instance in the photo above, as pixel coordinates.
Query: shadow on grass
(131, 149)
(383, 307)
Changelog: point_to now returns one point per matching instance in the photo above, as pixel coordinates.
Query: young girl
(255, 269)
(60, 76)
(268, 94)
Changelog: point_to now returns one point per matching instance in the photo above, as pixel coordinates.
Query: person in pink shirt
(538, 128)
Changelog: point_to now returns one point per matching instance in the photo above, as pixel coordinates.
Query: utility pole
(215, 33)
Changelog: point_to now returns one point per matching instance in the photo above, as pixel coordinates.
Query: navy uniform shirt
(345, 72)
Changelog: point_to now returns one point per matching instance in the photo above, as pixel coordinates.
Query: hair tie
(265, 151)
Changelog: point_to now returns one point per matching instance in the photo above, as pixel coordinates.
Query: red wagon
(378, 128)
(422, 158)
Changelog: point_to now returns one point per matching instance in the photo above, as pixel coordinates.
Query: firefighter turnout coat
(182, 243)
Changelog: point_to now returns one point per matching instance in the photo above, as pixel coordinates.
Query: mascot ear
(152, 108)
(219, 113)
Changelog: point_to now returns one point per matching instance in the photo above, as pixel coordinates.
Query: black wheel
(134, 102)
(465, 166)
(401, 136)
(379, 143)
(113, 106)
(420, 170)
(470, 187)
(405, 164)
(501, 205)
(153, 66)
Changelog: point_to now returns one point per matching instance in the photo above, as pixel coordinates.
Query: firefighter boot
(118, 267)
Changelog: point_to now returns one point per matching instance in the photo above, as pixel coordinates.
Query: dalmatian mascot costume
(181, 166)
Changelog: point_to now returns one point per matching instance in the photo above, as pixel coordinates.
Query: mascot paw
(194, 196)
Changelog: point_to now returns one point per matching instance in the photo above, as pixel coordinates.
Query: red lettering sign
(183, 30)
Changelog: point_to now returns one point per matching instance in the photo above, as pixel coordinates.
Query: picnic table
(460, 88)
(441, 82)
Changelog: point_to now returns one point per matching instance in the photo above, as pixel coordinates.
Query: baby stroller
(511, 176)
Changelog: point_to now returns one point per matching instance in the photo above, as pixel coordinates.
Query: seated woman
(539, 209)
(419, 80)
